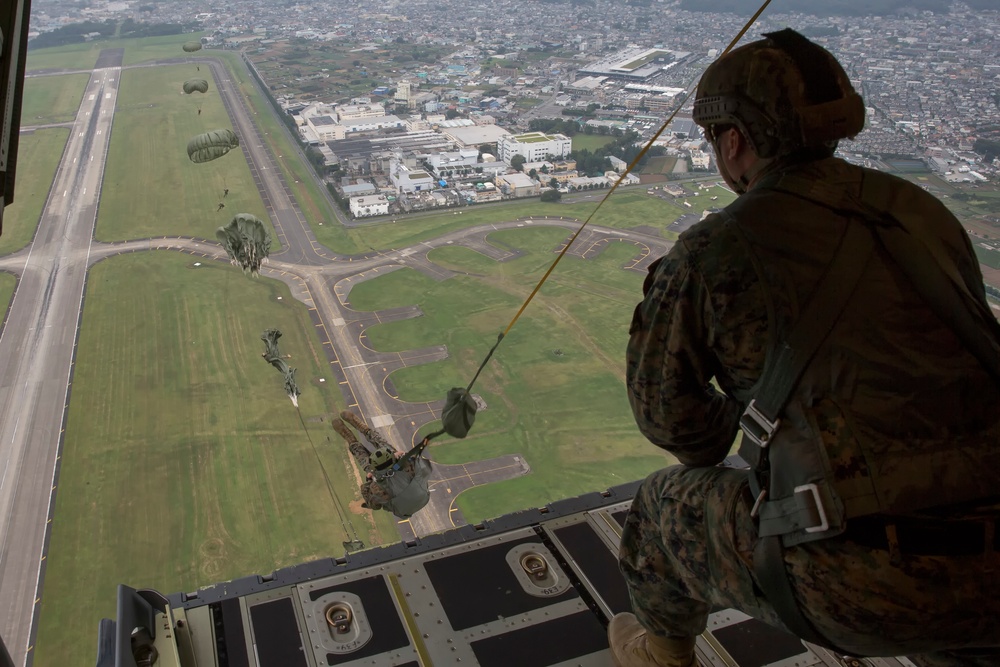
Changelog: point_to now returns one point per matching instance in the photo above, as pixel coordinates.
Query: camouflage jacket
(900, 382)
(373, 493)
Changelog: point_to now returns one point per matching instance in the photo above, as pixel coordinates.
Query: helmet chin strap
(738, 186)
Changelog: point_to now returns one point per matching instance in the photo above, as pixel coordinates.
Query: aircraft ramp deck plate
(531, 589)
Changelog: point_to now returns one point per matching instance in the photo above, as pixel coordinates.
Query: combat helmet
(381, 458)
(784, 93)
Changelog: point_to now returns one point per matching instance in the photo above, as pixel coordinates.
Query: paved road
(36, 351)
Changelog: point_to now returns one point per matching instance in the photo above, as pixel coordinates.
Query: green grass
(555, 386)
(626, 209)
(84, 56)
(990, 258)
(7, 284)
(38, 156)
(73, 56)
(52, 99)
(590, 142)
(661, 164)
(151, 188)
(156, 48)
(184, 463)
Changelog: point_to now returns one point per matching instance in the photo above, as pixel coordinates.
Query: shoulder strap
(933, 275)
(784, 369)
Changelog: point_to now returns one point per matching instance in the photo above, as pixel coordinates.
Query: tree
(517, 162)
(533, 173)
(551, 195)
(553, 183)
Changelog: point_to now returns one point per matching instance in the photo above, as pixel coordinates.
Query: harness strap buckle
(757, 503)
(824, 522)
(756, 426)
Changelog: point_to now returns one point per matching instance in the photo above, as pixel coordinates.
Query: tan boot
(633, 646)
(342, 430)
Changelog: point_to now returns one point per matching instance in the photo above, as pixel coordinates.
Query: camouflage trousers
(372, 493)
(687, 548)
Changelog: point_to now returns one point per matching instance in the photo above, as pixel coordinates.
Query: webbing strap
(415, 451)
(783, 370)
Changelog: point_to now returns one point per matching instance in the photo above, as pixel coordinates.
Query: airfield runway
(36, 352)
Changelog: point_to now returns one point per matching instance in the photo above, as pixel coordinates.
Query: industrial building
(369, 205)
(534, 146)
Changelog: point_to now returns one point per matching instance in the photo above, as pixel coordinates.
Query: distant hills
(833, 7)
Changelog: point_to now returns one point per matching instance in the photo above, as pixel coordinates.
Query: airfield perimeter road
(36, 351)
(38, 339)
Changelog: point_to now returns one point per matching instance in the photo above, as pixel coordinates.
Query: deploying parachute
(191, 47)
(273, 357)
(212, 145)
(195, 86)
(246, 241)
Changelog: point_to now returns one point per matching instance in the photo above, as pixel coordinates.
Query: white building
(534, 146)
(369, 205)
(402, 92)
(445, 164)
(405, 179)
(351, 112)
(371, 124)
(518, 185)
(700, 160)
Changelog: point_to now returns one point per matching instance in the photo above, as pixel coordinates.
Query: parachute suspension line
(635, 161)
(345, 521)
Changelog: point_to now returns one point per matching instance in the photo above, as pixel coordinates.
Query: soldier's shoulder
(706, 234)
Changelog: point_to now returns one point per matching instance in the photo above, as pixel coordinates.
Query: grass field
(38, 156)
(150, 186)
(184, 463)
(52, 99)
(661, 164)
(83, 56)
(555, 387)
(7, 284)
(624, 210)
(590, 142)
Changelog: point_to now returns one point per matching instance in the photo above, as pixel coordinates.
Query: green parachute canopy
(273, 356)
(195, 86)
(191, 47)
(246, 241)
(212, 145)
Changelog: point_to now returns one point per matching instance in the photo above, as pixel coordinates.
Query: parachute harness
(459, 403)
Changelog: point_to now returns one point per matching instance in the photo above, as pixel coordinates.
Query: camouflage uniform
(374, 496)
(688, 539)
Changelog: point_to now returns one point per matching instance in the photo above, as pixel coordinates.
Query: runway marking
(370, 363)
(4, 478)
(14, 434)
